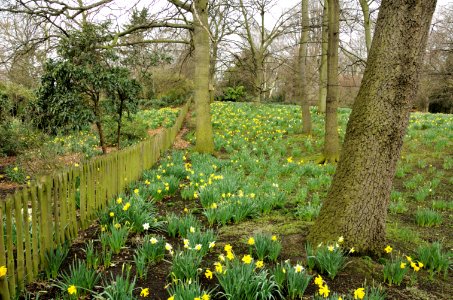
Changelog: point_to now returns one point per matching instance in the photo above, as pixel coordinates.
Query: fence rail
(38, 218)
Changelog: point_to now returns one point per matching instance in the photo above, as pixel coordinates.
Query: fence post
(4, 289)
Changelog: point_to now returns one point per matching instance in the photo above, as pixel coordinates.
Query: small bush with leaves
(394, 271)
(436, 260)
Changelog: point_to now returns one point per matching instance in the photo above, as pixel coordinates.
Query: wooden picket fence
(41, 217)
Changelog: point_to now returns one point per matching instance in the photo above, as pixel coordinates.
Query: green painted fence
(38, 218)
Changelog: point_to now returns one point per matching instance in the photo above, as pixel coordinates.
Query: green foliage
(17, 136)
(187, 290)
(327, 259)
(234, 94)
(182, 225)
(185, 264)
(436, 260)
(54, 259)
(119, 287)
(80, 276)
(427, 217)
(15, 174)
(266, 246)
(153, 248)
(92, 256)
(394, 271)
(116, 237)
(296, 281)
(244, 281)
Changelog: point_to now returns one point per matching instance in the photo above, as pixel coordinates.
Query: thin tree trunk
(306, 118)
(120, 117)
(331, 139)
(213, 62)
(203, 133)
(97, 114)
(323, 67)
(357, 202)
(366, 23)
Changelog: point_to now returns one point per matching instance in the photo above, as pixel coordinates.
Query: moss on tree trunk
(357, 202)
(203, 132)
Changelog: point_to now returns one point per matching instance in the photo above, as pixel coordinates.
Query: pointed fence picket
(48, 213)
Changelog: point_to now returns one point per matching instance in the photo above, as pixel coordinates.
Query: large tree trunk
(366, 23)
(357, 202)
(322, 94)
(331, 140)
(203, 132)
(306, 118)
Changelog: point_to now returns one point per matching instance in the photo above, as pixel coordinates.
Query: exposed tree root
(328, 159)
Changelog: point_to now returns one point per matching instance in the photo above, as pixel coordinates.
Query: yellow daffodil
(331, 248)
(205, 297)
(153, 241)
(208, 274)
(211, 245)
(319, 281)
(136, 191)
(112, 214)
(352, 250)
(198, 247)
(359, 293)
(341, 239)
(324, 291)
(251, 241)
(145, 292)
(388, 249)
(230, 255)
(259, 264)
(126, 206)
(72, 290)
(3, 271)
(117, 225)
(247, 259)
(402, 265)
(119, 200)
(171, 298)
(228, 248)
(218, 267)
(274, 238)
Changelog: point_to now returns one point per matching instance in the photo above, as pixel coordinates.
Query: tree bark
(306, 118)
(357, 202)
(203, 133)
(120, 117)
(97, 114)
(323, 67)
(331, 140)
